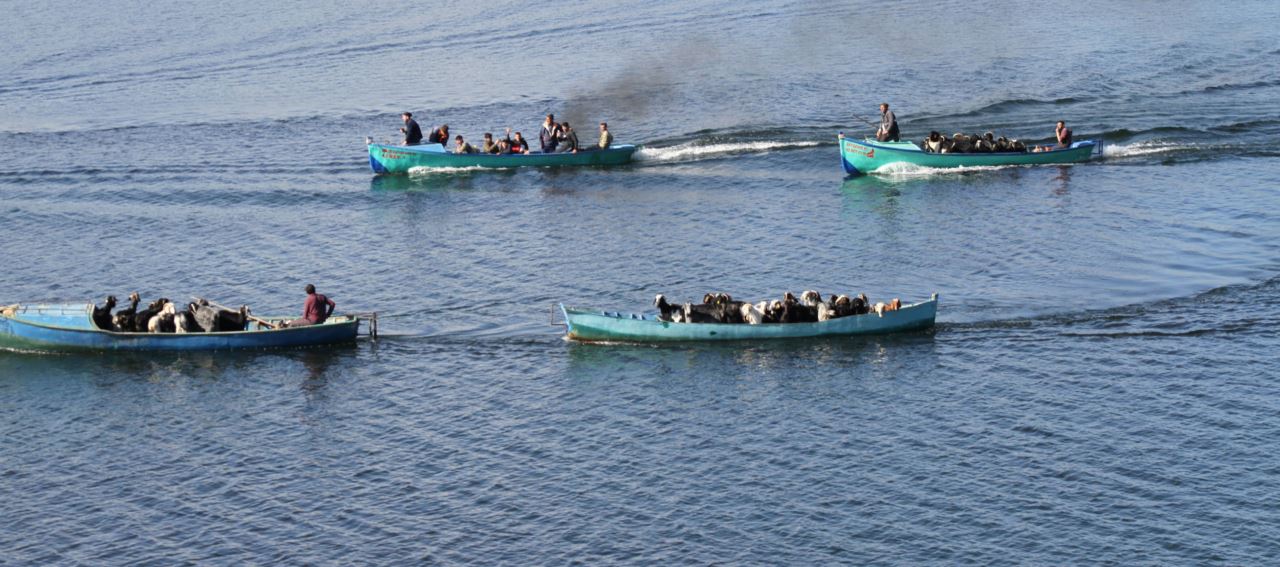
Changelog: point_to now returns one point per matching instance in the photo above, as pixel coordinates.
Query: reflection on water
(741, 358)
(445, 178)
(870, 194)
(1062, 182)
(111, 368)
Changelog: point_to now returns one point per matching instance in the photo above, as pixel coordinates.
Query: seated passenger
(606, 139)
(519, 145)
(569, 138)
(1063, 134)
(488, 146)
(461, 146)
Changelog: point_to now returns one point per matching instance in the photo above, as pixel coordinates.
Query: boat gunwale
(640, 318)
(352, 319)
(1092, 144)
(415, 149)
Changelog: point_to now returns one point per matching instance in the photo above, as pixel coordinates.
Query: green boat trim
(593, 325)
(386, 158)
(868, 156)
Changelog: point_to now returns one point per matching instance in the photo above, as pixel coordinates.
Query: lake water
(1101, 387)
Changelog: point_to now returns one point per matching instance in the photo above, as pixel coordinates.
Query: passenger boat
(866, 156)
(384, 158)
(68, 327)
(590, 325)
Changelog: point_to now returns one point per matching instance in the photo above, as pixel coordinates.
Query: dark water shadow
(1062, 182)
(315, 364)
(869, 194)
(592, 360)
(453, 180)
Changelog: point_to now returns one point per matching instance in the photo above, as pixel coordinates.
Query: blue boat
(68, 327)
(591, 325)
(386, 158)
(867, 156)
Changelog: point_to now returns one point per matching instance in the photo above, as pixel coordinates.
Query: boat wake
(1144, 149)
(428, 171)
(697, 151)
(904, 169)
(1228, 310)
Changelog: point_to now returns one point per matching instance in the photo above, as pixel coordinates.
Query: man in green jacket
(606, 139)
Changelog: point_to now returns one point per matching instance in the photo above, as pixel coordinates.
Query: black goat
(666, 311)
(142, 318)
(122, 322)
(102, 315)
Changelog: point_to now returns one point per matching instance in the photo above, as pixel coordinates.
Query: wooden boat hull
(864, 156)
(69, 328)
(400, 159)
(591, 325)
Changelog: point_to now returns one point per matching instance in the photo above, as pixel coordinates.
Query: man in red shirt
(315, 310)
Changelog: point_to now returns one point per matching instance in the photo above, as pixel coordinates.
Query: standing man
(888, 131)
(548, 137)
(1063, 134)
(606, 139)
(315, 310)
(412, 133)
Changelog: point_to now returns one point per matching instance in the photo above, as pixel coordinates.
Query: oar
(868, 122)
(257, 320)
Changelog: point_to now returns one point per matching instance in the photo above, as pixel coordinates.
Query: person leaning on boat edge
(439, 135)
(888, 131)
(412, 133)
(315, 310)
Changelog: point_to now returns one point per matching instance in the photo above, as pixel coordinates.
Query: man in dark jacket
(412, 133)
(550, 134)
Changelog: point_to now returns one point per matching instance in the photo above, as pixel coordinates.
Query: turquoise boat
(68, 327)
(867, 156)
(384, 158)
(590, 325)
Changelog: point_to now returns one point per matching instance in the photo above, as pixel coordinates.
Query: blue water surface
(1100, 387)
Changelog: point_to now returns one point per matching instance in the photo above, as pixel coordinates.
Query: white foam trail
(422, 171)
(904, 169)
(1142, 149)
(692, 151)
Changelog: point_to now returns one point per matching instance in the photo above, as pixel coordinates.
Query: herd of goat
(971, 144)
(164, 316)
(809, 308)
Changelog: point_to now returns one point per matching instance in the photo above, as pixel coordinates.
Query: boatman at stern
(315, 310)
(1063, 134)
(888, 131)
(412, 133)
